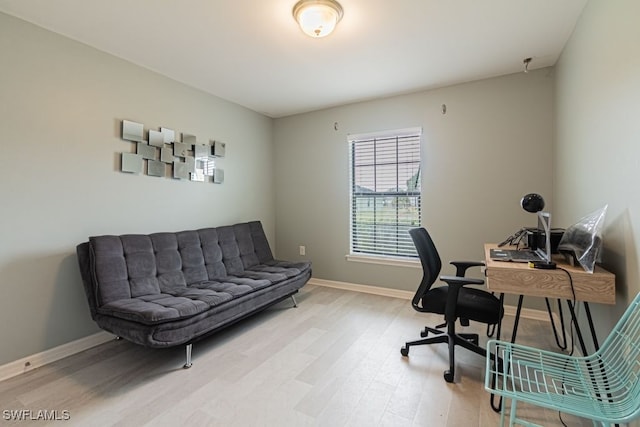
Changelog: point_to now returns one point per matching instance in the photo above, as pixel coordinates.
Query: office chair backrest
(431, 263)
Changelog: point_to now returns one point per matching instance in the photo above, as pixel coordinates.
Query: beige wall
(61, 105)
(597, 153)
(492, 147)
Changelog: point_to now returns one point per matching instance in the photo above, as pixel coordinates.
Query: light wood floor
(333, 361)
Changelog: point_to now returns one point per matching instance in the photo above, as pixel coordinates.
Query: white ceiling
(252, 52)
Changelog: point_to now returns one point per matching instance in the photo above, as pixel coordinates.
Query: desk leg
(497, 407)
(593, 330)
(563, 345)
(577, 326)
(515, 323)
(500, 322)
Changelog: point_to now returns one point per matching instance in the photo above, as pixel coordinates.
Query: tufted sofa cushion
(150, 309)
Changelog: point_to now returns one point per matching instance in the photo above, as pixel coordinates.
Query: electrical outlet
(303, 250)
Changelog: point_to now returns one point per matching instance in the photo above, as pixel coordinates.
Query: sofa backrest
(135, 265)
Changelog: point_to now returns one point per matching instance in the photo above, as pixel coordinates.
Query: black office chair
(454, 301)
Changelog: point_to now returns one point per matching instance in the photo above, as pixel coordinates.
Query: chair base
(427, 329)
(468, 341)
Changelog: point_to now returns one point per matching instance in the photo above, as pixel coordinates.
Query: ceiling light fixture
(317, 18)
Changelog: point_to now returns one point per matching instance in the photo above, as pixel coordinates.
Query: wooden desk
(518, 278)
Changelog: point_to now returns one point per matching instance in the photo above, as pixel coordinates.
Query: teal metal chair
(603, 386)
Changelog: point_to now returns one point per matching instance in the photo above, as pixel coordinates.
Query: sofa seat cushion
(153, 309)
(234, 286)
(261, 275)
(286, 268)
(211, 296)
(301, 265)
(185, 301)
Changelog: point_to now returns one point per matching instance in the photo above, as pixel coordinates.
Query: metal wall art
(162, 156)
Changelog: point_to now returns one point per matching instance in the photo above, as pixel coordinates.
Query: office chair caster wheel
(404, 351)
(448, 376)
(424, 334)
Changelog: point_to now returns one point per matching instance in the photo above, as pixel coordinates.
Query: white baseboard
(37, 360)
(526, 313)
(376, 290)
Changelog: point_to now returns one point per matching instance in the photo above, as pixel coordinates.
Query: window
(385, 192)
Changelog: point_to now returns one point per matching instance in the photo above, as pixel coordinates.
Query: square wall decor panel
(156, 138)
(218, 176)
(201, 151)
(188, 139)
(219, 149)
(180, 170)
(166, 154)
(208, 165)
(146, 151)
(198, 175)
(155, 168)
(132, 163)
(169, 135)
(132, 131)
(181, 149)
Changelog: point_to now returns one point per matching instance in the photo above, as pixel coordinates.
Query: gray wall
(597, 153)
(491, 147)
(61, 104)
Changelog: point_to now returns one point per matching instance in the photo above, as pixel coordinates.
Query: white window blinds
(385, 192)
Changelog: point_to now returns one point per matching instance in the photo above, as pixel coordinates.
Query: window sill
(385, 260)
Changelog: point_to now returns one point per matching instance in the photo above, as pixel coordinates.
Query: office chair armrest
(458, 281)
(455, 284)
(462, 266)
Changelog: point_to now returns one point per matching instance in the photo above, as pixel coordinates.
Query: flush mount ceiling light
(317, 18)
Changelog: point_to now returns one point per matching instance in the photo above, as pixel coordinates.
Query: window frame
(396, 259)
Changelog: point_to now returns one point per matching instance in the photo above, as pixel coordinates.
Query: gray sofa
(168, 289)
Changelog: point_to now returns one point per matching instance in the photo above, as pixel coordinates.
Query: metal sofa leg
(295, 304)
(188, 364)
